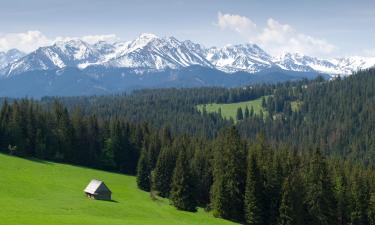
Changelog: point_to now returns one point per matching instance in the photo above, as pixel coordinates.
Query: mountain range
(75, 67)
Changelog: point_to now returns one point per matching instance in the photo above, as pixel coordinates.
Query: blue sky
(319, 28)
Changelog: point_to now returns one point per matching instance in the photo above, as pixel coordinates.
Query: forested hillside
(310, 164)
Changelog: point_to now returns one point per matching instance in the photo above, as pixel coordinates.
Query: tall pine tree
(163, 172)
(254, 200)
(183, 184)
(229, 172)
(320, 197)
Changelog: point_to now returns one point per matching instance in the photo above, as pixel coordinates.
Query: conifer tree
(239, 115)
(254, 193)
(203, 173)
(292, 208)
(320, 198)
(247, 112)
(143, 171)
(251, 111)
(183, 185)
(361, 200)
(343, 202)
(229, 171)
(163, 172)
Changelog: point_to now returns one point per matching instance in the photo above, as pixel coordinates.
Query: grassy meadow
(230, 110)
(34, 192)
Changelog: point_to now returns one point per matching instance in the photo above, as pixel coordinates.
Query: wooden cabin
(96, 189)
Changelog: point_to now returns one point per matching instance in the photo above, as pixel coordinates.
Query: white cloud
(92, 39)
(26, 42)
(237, 23)
(275, 37)
(31, 40)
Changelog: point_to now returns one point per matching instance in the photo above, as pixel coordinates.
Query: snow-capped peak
(150, 52)
(245, 57)
(10, 56)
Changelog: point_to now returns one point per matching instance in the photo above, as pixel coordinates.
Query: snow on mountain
(249, 57)
(302, 63)
(62, 54)
(341, 66)
(149, 52)
(352, 64)
(9, 57)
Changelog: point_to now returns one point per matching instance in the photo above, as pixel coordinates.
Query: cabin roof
(96, 186)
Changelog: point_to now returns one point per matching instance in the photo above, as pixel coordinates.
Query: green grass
(230, 110)
(296, 105)
(41, 193)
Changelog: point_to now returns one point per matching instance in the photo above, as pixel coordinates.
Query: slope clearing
(36, 192)
(229, 111)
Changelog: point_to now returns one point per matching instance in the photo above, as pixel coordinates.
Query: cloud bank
(275, 37)
(31, 40)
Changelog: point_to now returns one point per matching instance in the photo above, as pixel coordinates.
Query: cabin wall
(103, 196)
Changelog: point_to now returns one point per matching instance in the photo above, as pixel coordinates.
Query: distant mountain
(340, 66)
(75, 67)
(250, 58)
(149, 52)
(100, 80)
(9, 57)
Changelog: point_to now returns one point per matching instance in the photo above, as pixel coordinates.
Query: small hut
(96, 189)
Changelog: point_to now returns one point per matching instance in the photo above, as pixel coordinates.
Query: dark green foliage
(283, 183)
(144, 172)
(247, 112)
(239, 115)
(183, 185)
(291, 209)
(320, 199)
(202, 167)
(229, 171)
(163, 172)
(254, 199)
(360, 202)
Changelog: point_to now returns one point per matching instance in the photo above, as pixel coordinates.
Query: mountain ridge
(149, 52)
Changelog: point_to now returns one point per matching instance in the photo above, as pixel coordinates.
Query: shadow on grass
(38, 160)
(33, 159)
(103, 200)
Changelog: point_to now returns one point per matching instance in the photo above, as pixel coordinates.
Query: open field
(230, 110)
(36, 192)
(296, 105)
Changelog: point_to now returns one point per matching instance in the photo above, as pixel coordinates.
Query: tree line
(306, 166)
(253, 183)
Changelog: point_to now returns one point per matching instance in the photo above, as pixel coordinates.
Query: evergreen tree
(247, 112)
(320, 198)
(251, 111)
(291, 210)
(254, 193)
(343, 202)
(361, 200)
(229, 186)
(239, 115)
(64, 134)
(273, 185)
(183, 185)
(371, 210)
(143, 171)
(203, 172)
(107, 157)
(162, 175)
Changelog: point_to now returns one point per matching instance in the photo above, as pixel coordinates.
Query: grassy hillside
(39, 192)
(230, 110)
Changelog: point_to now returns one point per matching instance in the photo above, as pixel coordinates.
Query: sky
(323, 28)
